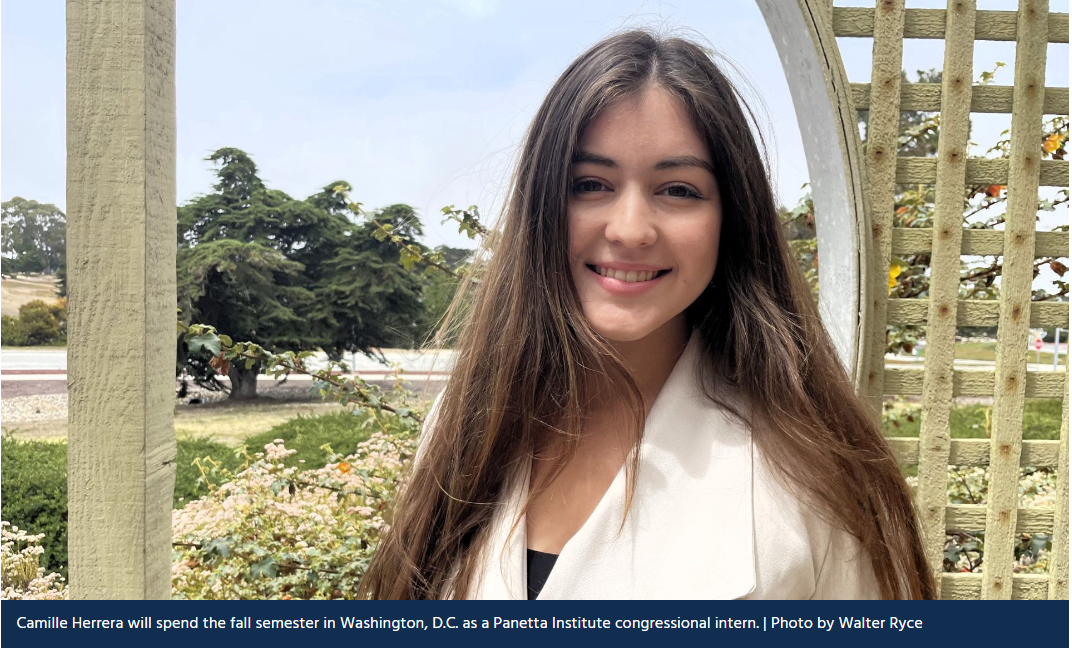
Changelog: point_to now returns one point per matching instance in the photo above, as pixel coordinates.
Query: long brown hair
(525, 348)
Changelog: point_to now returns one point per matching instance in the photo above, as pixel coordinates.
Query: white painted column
(803, 35)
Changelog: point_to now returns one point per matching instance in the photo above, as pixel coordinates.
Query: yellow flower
(895, 271)
(1052, 143)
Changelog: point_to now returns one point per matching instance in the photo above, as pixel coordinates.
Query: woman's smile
(620, 281)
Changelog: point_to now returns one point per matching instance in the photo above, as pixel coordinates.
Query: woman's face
(644, 217)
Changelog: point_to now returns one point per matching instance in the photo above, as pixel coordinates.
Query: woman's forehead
(647, 127)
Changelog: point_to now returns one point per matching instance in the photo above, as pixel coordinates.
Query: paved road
(27, 372)
(31, 372)
(411, 361)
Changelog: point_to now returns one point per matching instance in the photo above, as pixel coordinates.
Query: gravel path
(25, 401)
(35, 407)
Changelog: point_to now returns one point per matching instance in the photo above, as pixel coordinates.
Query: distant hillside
(27, 288)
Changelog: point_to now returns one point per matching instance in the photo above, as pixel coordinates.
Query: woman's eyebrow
(585, 156)
(684, 161)
(666, 163)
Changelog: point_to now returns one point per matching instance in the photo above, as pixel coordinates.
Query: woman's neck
(652, 358)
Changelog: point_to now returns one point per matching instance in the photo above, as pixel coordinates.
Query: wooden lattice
(1032, 26)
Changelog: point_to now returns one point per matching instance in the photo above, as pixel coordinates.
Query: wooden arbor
(121, 296)
(856, 237)
(121, 247)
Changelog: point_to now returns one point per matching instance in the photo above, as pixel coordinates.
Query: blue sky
(419, 102)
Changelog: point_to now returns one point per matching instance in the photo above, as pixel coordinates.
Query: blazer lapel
(504, 557)
(689, 532)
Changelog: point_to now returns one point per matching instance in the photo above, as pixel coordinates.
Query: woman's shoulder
(800, 551)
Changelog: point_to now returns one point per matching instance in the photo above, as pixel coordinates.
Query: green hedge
(341, 429)
(34, 473)
(187, 474)
(38, 323)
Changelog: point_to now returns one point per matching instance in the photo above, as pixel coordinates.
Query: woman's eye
(682, 191)
(588, 185)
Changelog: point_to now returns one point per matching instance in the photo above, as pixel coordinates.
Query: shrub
(274, 532)
(41, 321)
(188, 484)
(964, 549)
(13, 333)
(34, 474)
(38, 323)
(22, 575)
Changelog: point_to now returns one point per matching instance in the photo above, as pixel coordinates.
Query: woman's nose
(630, 220)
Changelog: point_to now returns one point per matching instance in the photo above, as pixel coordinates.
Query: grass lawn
(62, 344)
(231, 424)
(227, 423)
(988, 352)
(27, 288)
(1042, 420)
(340, 430)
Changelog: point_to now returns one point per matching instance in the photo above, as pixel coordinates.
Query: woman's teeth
(627, 275)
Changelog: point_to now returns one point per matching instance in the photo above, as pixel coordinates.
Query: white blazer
(707, 521)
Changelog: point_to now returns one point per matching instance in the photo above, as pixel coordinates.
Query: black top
(539, 568)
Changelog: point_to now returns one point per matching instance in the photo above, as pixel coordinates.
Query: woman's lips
(617, 286)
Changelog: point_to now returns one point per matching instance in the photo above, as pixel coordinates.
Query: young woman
(644, 403)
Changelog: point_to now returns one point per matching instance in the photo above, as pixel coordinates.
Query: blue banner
(534, 624)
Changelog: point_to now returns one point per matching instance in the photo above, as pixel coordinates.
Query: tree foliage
(909, 275)
(34, 237)
(284, 272)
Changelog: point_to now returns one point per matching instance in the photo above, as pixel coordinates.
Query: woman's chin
(617, 333)
(617, 326)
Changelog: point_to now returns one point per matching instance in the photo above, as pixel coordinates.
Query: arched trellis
(121, 252)
(856, 240)
(829, 131)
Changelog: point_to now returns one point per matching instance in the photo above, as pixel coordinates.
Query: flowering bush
(22, 575)
(277, 532)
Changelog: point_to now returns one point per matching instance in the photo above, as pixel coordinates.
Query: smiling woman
(644, 403)
(644, 213)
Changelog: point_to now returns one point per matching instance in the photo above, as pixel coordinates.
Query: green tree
(282, 272)
(439, 292)
(364, 296)
(246, 288)
(34, 237)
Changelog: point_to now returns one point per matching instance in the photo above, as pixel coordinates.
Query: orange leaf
(220, 365)
(995, 190)
(344, 467)
(1052, 143)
